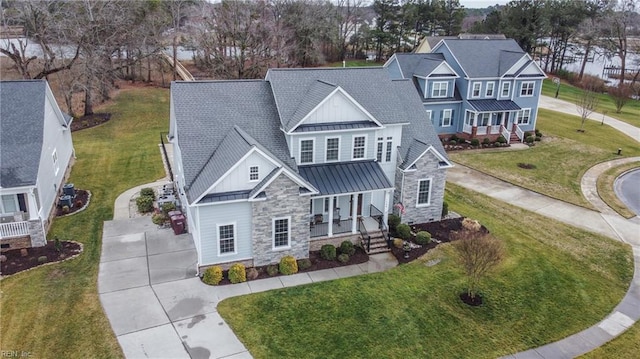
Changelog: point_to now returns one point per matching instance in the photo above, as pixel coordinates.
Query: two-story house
(36, 152)
(475, 88)
(280, 166)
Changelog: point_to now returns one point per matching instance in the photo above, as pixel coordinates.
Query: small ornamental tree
(620, 95)
(478, 253)
(586, 103)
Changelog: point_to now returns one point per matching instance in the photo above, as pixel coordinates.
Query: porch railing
(466, 128)
(519, 133)
(506, 134)
(378, 216)
(14, 229)
(481, 130)
(363, 232)
(495, 129)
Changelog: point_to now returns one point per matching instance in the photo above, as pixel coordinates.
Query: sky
(481, 3)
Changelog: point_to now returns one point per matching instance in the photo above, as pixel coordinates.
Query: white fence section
(519, 133)
(14, 229)
(495, 129)
(506, 134)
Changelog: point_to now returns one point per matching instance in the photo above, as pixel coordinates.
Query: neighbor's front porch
(492, 118)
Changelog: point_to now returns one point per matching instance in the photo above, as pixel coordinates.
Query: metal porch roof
(494, 105)
(346, 177)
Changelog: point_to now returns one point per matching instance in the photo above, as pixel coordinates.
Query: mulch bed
(317, 263)
(439, 230)
(89, 121)
(17, 263)
(82, 196)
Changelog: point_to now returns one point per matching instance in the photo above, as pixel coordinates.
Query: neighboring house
(475, 88)
(429, 42)
(36, 153)
(275, 167)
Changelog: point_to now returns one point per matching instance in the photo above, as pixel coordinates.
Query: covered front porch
(349, 192)
(490, 119)
(17, 209)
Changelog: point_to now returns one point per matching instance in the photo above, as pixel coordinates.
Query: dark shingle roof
(369, 86)
(418, 64)
(22, 105)
(485, 58)
(219, 122)
(490, 105)
(345, 177)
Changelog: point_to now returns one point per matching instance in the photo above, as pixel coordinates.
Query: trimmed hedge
(237, 273)
(212, 275)
(393, 221)
(328, 252)
(148, 192)
(347, 248)
(423, 237)
(145, 204)
(304, 264)
(404, 231)
(343, 258)
(288, 265)
(272, 270)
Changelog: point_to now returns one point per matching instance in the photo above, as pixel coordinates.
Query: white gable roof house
(280, 166)
(36, 153)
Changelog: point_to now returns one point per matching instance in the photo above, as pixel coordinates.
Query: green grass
(555, 281)
(630, 113)
(54, 311)
(605, 185)
(626, 346)
(560, 159)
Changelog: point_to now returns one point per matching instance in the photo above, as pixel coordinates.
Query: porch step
(514, 138)
(378, 245)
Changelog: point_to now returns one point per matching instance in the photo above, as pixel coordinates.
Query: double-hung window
(359, 143)
(227, 238)
(306, 151)
(475, 91)
(523, 116)
(440, 89)
(333, 149)
(506, 88)
(527, 88)
(424, 192)
(379, 149)
(489, 91)
(389, 149)
(254, 173)
(281, 233)
(446, 118)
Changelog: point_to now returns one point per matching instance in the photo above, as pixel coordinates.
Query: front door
(359, 209)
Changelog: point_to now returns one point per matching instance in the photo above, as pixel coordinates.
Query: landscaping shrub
(453, 143)
(529, 139)
(343, 258)
(404, 231)
(77, 203)
(347, 248)
(145, 204)
(272, 270)
(398, 242)
(423, 237)
(445, 209)
(527, 134)
(42, 259)
(453, 138)
(168, 207)
(475, 142)
(237, 273)
(65, 209)
(537, 138)
(501, 139)
(148, 192)
(159, 218)
(328, 252)
(212, 275)
(252, 273)
(304, 264)
(538, 133)
(393, 221)
(486, 141)
(288, 265)
(471, 225)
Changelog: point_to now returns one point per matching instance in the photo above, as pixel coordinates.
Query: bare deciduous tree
(620, 94)
(587, 102)
(478, 253)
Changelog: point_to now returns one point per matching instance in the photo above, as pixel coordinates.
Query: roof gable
(443, 69)
(487, 58)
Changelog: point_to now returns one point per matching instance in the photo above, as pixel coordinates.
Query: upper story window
(359, 143)
(254, 173)
(306, 151)
(446, 118)
(379, 148)
(440, 89)
(54, 157)
(527, 88)
(475, 92)
(333, 149)
(489, 91)
(389, 149)
(227, 238)
(506, 88)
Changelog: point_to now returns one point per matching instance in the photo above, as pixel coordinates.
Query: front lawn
(630, 112)
(560, 159)
(54, 311)
(555, 281)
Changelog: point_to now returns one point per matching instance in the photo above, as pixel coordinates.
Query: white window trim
(258, 173)
(353, 140)
(439, 83)
(508, 88)
(56, 165)
(235, 238)
(533, 89)
(520, 114)
(418, 204)
(450, 112)
(15, 202)
(490, 86)
(473, 86)
(388, 149)
(380, 145)
(273, 234)
(326, 148)
(313, 150)
(429, 115)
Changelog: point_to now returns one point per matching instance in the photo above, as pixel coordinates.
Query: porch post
(32, 205)
(385, 210)
(330, 224)
(354, 213)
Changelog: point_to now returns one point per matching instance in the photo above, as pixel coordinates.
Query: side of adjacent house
(280, 166)
(36, 153)
(482, 88)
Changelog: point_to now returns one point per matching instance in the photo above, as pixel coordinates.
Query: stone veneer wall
(16, 242)
(426, 167)
(38, 237)
(316, 244)
(283, 200)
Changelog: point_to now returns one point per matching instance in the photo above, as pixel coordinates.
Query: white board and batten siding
(212, 216)
(55, 138)
(336, 108)
(238, 178)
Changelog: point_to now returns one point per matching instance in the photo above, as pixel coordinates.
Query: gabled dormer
(432, 75)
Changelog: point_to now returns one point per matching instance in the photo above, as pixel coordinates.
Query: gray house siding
(426, 168)
(283, 201)
(211, 217)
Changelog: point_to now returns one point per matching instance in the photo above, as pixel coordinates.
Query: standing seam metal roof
(346, 177)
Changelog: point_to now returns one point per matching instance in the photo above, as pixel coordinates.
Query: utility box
(178, 224)
(69, 190)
